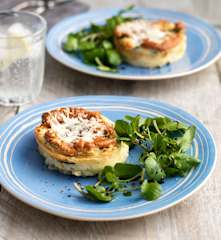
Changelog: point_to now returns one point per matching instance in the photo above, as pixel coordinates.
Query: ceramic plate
(203, 45)
(24, 175)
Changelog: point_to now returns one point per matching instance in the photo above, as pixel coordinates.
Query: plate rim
(101, 74)
(116, 218)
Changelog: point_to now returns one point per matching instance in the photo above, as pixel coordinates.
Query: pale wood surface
(198, 217)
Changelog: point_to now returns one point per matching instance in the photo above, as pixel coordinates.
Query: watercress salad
(164, 144)
(95, 45)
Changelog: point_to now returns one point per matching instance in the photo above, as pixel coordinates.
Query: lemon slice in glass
(17, 45)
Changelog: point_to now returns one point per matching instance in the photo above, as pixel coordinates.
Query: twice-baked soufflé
(146, 43)
(78, 142)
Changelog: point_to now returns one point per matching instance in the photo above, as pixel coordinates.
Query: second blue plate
(203, 45)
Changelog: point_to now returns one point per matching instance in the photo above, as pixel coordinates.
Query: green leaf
(127, 9)
(112, 22)
(153, 168)
(151, 191)
(166, 123)
(107, 44)
(90, 56)
(108, 176)
(147, 122)
(71, 44)
(184, 162)
(164, 160)
(111, 177)
(103, 173)
(100, 189)
(160, 122)
(103, 67)
(94, 193)
(135, 123)
(171, 172)
(106, 69)
(123, 128)
(186, 140)
(127, 170)
(113, 57)
(143, 157)
(86, 45)
(160, 143)
(174, 126)
(129, 118)
(96, 28)
(97, 195)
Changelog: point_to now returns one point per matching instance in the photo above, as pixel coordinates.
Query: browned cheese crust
(174, 36)
(46, 136)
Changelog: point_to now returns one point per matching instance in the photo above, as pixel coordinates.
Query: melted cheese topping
(78, 128)
(141, 29)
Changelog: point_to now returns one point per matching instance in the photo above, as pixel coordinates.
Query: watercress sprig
(95, 45)
(163, 143)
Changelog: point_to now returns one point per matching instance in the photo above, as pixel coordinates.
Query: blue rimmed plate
(24, 175)
(203, 45)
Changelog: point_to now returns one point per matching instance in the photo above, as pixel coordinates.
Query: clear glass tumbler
(22, 56)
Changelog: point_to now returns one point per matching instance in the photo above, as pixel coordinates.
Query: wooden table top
(198, 217)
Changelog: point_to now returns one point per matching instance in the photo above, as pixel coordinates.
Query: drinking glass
(22, 55)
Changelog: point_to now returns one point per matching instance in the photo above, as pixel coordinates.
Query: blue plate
(203, 45)
(24, 175)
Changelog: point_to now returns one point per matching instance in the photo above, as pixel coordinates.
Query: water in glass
(21, 60)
